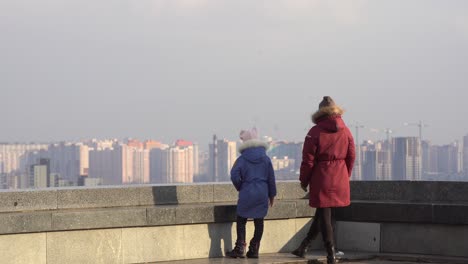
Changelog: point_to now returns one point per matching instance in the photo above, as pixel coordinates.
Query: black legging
(324, 222)
(240, 227)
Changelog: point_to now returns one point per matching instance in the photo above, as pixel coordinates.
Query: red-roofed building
(183, 143)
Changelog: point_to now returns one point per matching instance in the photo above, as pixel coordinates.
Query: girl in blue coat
(253, 176)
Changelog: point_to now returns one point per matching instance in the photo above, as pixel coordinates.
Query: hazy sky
(74, 69)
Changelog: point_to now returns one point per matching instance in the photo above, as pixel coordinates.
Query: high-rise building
(291, 150)
(158, 157)
(69, 160)
(151, 144)
(12, 158)
(92, 181)
(426, 158)
(373, 161)
(101, 144)
(465, 157)
(138, 165)
(204, 168)
(370, 169)
(3, 181)
(407, 159)
(15, 166)
(173, 164)
(448, 161)
(357, 168)
(284, 168)
(134, 143)
(430, 161)
(40, 175)
(108, 164)
(223, 154)
(121, 163)
(3, 176)
(196, 163)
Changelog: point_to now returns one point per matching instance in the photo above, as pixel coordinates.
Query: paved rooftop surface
(317, 257)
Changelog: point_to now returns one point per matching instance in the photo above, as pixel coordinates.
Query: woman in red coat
(327, 161)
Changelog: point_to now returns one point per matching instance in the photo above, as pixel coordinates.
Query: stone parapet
(139, 224)
(404, 212)
(127, 196)
(410, 191)
(138, 216)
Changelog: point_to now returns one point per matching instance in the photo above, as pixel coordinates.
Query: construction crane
(420, 125)
(387, 131)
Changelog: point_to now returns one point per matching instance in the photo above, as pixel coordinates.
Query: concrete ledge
(139, 216)
(179, 214)
(412, 191)
(28, 200)
(133, 195)
(149, 195)
(224, 193)
(92, 219)
(291, 191)
(379, 211)
(191, 214)
(97, 198)
(177, 194)
(450, 214)
(303, 209)
(282, 210)
(12, 223)
(161, 215)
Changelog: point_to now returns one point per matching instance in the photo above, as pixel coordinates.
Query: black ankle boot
(331, 258)
(238, 251)
(302, 249)
(253, 249)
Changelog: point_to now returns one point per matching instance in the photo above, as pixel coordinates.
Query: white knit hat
(248, 134)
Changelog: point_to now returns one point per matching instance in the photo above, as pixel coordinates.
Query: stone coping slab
(130, 195)
(149, 195)
(141, 216)
(138, 216)
(411, 191)
(404, 212)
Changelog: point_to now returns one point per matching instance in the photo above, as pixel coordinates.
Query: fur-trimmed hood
(326, 112)
(252, 143)
(253, 150)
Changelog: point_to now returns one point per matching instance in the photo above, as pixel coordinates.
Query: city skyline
(131, 161)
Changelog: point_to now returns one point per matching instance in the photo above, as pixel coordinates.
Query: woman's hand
(304, 187)
(272, 201)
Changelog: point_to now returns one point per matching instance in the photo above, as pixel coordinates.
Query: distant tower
(223, 154)
(387, 167)
(40, 174)
(407, 159)
(215, 158)
(465, 157)
(357, 170)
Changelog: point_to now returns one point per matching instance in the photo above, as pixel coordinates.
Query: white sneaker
(339, 253)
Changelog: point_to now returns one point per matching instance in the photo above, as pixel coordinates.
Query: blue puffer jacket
(254, 178)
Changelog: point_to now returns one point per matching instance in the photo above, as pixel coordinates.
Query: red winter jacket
(327, 159)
